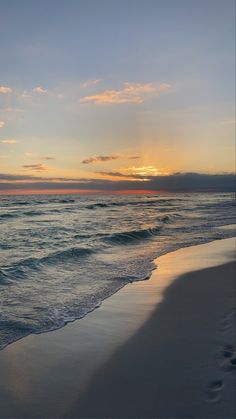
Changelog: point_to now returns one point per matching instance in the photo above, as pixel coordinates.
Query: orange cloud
(8, 141)
(38, 167)
(99, 159)
(130, 93)
(40, 89)
(5, 89)
(2, 123)
(146, 171)
(121, 175)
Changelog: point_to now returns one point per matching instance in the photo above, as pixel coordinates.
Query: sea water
(62, 255)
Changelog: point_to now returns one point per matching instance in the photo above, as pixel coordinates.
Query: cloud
(90, 83)
(5, 89)
(40, 89)
(9, 177)
(130, 93)
(99, 159)
(119, 174)
(38, 167)
(9, 141)
(2, 123)
(25, 95)
(142, 173)
(178, 182)
(134, 157)
(146, 171)
(17, 110)
(47, 158)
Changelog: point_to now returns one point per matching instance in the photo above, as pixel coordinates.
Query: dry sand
(157, 349)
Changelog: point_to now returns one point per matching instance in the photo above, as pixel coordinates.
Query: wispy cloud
(142, 173)
(2, 123)
(99, 159)
(90, 83)
(130, 93)
(121, 175)
(39, 89)
(12, 177)
(134, 157)
(38, 167)
(47, 158)
(16, 110)
(9, 141)
(26, 95)
(5, 89)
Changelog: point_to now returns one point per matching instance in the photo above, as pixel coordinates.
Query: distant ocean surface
(61, 256)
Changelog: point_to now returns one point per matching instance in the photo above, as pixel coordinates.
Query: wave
(7, 215)
(220, 205)
(165, 219)
(65, 201)
(20, 269)
(169, 201)
(128, 237)
(33, 213)
(59, 270)
(16, 214)
(7, 204)
(97, 205)
(20, 203)
(4, 280)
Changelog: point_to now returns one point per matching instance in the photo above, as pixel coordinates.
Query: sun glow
(147, 171)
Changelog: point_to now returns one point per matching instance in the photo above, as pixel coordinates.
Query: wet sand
(180, 364)
(161, 348)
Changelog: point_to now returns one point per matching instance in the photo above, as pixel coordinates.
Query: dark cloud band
(178, 182)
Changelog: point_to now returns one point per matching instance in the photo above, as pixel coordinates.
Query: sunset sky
(95, 92)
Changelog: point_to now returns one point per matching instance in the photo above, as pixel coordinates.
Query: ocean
(62, 255)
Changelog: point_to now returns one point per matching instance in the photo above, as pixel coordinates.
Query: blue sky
(152, 79)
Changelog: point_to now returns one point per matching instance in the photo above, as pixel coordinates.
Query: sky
(111, 95)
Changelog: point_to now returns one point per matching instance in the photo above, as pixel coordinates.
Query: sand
(157, 349)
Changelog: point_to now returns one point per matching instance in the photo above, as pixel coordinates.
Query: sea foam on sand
(162, 348)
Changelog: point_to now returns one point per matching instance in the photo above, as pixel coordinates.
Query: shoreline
(41, 371)
(147, 278)
(178, 364)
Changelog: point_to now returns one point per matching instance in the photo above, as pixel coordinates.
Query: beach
(162, 348)
(117, 209)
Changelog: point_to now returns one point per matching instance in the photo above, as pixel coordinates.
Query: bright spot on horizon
(147, 170)
(156, 85)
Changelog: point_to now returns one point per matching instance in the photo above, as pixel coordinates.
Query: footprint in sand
(227, 351)
(213, 392)
(227, 322)
(233, 362)
(229, 358)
